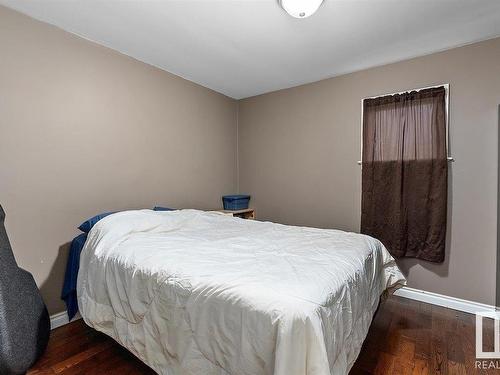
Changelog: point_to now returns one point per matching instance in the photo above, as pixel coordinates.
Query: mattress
(193, 292)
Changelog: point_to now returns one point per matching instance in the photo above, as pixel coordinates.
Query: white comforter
(192, 292)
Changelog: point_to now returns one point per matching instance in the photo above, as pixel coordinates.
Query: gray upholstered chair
(24, 321)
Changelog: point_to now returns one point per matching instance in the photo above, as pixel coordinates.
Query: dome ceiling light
(300, 8)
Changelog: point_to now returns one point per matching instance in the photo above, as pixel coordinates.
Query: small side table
(248, 213)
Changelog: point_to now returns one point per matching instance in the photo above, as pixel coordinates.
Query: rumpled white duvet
(193, 292)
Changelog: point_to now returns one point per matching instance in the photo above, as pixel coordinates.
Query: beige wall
(84, 129)
(298, 150)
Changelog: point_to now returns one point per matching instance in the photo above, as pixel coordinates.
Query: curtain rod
(449, 158)
(446, 86)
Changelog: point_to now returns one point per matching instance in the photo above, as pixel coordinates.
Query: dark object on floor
(24, 320)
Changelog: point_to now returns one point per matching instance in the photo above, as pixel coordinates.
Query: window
(405, 172)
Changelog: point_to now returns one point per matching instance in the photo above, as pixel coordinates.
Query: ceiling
(243, 48)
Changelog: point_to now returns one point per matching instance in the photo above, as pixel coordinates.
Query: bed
(193, 292)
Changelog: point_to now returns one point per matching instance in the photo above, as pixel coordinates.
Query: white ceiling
(243, 48)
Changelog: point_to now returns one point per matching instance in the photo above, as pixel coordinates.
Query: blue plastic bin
(235, 202)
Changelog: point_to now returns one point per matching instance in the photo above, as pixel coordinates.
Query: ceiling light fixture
(300, 8)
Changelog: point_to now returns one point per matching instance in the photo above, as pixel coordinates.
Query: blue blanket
(69, 287)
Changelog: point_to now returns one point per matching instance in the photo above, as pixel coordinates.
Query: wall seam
(238, 146)
(497, 278)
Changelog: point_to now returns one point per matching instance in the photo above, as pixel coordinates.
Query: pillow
(158, 208)
(87, 225)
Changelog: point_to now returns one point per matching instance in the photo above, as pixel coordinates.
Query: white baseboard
(60, 319)
(444, 301)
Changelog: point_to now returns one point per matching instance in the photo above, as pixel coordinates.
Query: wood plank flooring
(406, 337)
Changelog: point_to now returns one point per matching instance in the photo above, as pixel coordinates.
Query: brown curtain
(405, 173)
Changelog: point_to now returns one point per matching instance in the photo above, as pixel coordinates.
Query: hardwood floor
(406, 337)
(410, 337)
